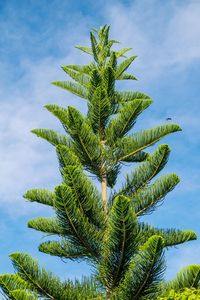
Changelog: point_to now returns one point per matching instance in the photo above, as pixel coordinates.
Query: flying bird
(168, 119)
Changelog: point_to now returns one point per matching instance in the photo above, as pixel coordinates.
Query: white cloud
(27, 161)
(164, 35)
(183, 34)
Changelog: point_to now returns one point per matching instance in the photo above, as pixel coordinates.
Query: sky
(37, 37)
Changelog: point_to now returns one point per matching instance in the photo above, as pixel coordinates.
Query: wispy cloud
(27, 161)
(164, 35)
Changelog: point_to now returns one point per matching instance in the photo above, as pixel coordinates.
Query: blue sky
(36, 38)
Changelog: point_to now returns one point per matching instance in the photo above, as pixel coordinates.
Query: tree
(186, 294)
(103, 227)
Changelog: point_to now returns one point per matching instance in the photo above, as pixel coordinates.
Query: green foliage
(23, 295)
(188, 277)
(131, 145)
(124, 66)
(47, 225)
(120, 241)
(186, 294)
(145, 272)
(33, 282)
(83, 79)
(10, 283)
(42, 196)
(184, 286)
(146, 171)
(72, 87)
(147, 198)
(73, 219)
(171, 236)
(51, 136)
(126, 118)
(103, 227)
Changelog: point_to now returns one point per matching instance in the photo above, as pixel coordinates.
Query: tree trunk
(104, 192)
(104, 182)
(107, 295)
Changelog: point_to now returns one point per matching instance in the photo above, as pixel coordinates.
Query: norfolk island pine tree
(104, 229)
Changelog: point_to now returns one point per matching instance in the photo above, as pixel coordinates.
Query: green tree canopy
(103, 227)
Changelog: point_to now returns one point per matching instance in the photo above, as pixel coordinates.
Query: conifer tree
(103, 227)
